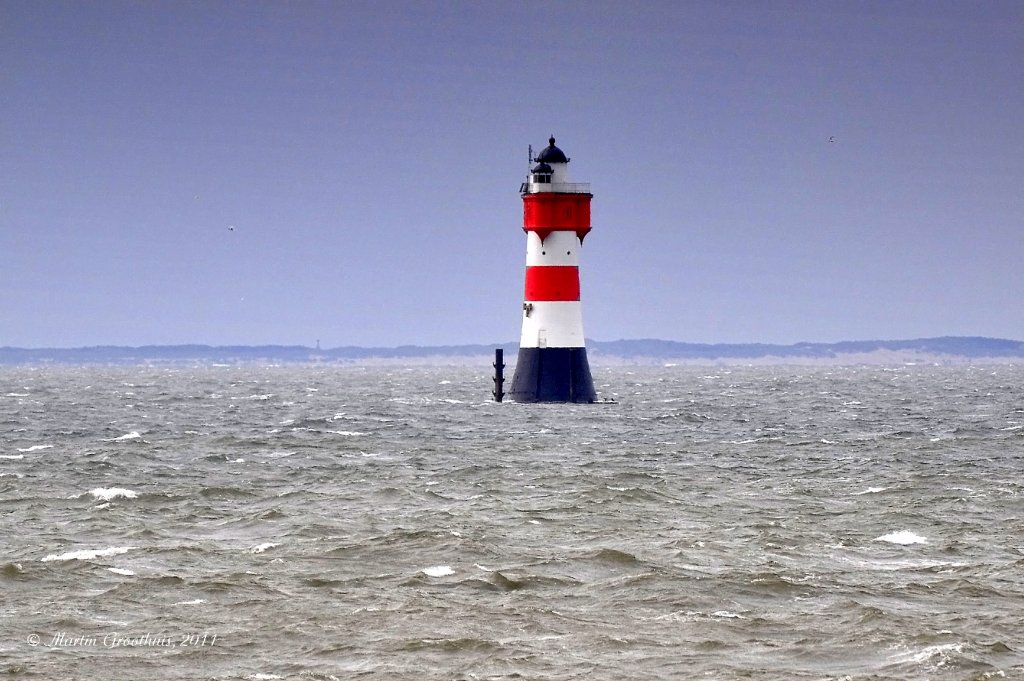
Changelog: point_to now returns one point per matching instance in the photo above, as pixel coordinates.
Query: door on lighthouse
(542, 338)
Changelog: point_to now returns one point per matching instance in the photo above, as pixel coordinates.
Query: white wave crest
(134, 435)
(940, 654)
(869, 490)
(727, 615)
(262, 547)
(438, 571)
(89, 554)
(108, 493)
(35, 448)
(904, 537)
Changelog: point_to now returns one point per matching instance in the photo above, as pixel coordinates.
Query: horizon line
(505, 344)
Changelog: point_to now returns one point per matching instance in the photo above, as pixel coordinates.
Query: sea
(327, 522)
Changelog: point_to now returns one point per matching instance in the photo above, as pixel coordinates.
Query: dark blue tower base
(552, 375)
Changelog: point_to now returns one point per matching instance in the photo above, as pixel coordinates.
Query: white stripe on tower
(556, 318)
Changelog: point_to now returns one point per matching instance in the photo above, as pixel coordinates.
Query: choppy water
(383, 523)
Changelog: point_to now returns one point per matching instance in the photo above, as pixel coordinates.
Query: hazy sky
(348, 172)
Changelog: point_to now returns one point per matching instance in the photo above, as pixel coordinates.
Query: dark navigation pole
(499, 375)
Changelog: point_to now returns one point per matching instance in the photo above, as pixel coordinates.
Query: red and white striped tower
(552, 364)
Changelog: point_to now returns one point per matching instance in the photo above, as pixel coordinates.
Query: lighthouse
(552, 364)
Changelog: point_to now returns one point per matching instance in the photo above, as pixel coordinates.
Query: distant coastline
(943, 350)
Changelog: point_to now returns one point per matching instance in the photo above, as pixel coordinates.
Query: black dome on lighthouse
(551, 154)
(542, 168)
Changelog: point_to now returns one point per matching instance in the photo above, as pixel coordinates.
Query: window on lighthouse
(542, 179)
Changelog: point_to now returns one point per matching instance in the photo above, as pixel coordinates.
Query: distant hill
(874, 351)
(229, 354)
(949, 349)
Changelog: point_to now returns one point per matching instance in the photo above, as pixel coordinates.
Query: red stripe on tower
(544, 213)
(552, 364)
(558, 282)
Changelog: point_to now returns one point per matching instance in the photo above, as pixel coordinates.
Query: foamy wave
(12, 456)
(262, 547)
(438, 571)
(121, 571)
(347, 433)
(89, 554)
(196, 601)
(108, 493)
(134, 435)
(694, 616)
(941, 654)
(263, 677)
(903, 537)
(869, 490)
(35, 448)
